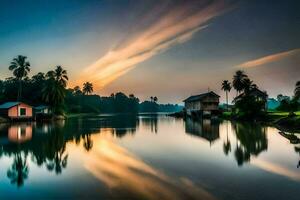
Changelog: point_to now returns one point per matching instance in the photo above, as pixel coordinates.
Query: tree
(77, 91)
(248, 85)
(155, 99)
(20, 68)
(238, 82)
(226, 86)
(151, 98)
(297, 90)
(87, 88)
(59, 75)
(54, 94)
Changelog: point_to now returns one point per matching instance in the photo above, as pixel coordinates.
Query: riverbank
(280, 120)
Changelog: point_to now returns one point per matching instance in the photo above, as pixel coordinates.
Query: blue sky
(169, 49)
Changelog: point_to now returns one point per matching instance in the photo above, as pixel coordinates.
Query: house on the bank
(259, 95)
(16, 110)
(42, 109)
(202, 104)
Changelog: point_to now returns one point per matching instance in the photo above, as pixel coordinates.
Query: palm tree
(226, 86)
(297, 90)
(239, 81)
(248, 85)
(155, 99)
(20, 68)
(87, 88)
(53, 93)
(59, 74)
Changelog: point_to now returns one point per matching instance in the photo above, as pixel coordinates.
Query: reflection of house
(19, 133)
(204, 129)
(16, 110)
(206, 103)
(42, 109)
(257, 94)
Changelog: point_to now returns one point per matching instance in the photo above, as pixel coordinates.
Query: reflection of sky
(121, 40)
(170, 159)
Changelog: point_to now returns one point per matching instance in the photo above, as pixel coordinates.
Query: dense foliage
(51, 89)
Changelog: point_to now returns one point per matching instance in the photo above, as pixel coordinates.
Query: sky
(169, 48)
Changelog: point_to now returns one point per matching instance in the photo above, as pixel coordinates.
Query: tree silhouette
(239, 81)
(54, 94)
(20, 68)
(297, 90)
(87, 88)
(226, 86)
(59, 75)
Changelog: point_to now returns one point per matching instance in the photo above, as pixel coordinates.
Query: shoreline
(279, 120)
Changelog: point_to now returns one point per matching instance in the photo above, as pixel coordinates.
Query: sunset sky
(169, 49)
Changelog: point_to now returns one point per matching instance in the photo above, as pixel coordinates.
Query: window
(22, 111)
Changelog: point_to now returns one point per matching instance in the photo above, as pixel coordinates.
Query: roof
(10, 104)
(258, 92)
(201, 96)
(41, 107)
(254, 92)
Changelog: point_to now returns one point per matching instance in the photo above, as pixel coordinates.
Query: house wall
(14, 112)
(195, 105)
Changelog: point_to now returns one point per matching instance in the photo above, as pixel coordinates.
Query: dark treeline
(50, 89)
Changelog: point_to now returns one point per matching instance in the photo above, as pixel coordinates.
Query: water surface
(147, 157)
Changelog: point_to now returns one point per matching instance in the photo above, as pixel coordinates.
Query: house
(258, 95)
(42, 109)
(202, 104)
(16, 110)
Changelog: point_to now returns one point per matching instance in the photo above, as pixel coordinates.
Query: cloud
(170, 27)
(269, 59)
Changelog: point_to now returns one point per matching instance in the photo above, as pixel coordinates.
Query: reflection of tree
(251, 140)
(55, 151)
(19, 170)
(59, 162)
(297, 150)
(48, 146)
(87, 142)
(151, 122)
(227, 144)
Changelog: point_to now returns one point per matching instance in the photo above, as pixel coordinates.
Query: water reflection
(206, 129)
(151, 123)
(251, 140)
(46, 142)
(18, 172)
(131, 170)
(123, 172)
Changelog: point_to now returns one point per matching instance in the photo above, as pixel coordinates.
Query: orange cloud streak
(270, 58)
(175, 27)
